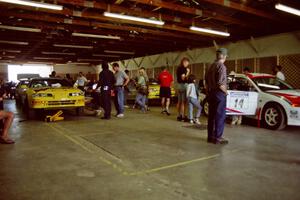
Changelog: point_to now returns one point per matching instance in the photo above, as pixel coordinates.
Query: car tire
(205, 107)
(274, 117)
(79, 111)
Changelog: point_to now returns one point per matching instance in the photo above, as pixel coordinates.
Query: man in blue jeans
(216, 85)
(121, 81)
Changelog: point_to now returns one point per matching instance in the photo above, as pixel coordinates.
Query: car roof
(255, 75)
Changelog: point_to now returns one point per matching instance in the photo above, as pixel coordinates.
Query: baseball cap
(223, 51)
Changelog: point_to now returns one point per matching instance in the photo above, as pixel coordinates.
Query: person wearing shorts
(182, 73)
(165, 79)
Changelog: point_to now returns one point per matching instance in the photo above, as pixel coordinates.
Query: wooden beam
(193, 11)
(243, 8)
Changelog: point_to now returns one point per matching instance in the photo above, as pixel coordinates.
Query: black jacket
(106, 78)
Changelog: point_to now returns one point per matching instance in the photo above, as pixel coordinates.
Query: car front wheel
(274, 117)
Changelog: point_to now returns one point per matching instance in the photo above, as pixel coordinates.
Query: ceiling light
(108, 56)
(46, 58)
(73, 46)
(11, 51)
(16, 28)
(13, 42)
(120, 52)
(287, 9)
(96, 36)
(132, 18)
(34, 4)
(58, 53)
(210, 31)
(78, 63)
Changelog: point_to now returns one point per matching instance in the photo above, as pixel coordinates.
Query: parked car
(153, 90)
(51, 93)
(20, 89)
(277, 104)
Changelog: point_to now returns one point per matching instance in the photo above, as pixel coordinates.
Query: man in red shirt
(165, 79)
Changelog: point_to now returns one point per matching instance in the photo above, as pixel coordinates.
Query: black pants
(1, 120)
(106, 102)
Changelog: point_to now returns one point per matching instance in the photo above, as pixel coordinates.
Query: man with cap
(216, 85)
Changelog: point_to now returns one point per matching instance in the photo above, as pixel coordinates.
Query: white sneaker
(120, 115)
(98, 113)
(196, 121)
(191, 121)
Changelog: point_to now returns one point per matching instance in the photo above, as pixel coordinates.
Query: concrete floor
(146, 156)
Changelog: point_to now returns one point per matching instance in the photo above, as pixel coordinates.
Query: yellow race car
(52, 93)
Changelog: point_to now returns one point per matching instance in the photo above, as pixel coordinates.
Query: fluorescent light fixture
(287, 9)
(34, 4)
(11, 51)
(73, 46)
(97, 36)
(210, 31)
(16, 28)
(58, 53)
(108, 56)
(9, 56)
(88, 59)
(78, 63)
(119, 52)
(46, 58)
(13, 42)
(132, 18)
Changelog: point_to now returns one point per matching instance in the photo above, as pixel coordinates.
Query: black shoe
(221, 141)
(210, 140)
(168, 113)
(179, 118)
(163, 112)
(105, 118)
(186, 119)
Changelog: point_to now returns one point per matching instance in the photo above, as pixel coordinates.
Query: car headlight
(76, 94)
(42, 95)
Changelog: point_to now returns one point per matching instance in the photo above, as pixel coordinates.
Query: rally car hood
(50, 90)
(292, 95)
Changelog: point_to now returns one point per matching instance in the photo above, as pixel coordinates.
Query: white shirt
(191, 91)
(81, 81)
(280, 76)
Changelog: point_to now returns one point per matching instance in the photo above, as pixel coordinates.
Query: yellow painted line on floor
(124, 172)
(175, 165)
(104, 160)
(69, 138)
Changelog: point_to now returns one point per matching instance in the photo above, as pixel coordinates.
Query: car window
(271, 83)
(53, 83)
(239, 83)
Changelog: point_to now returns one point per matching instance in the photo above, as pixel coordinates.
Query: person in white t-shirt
(278, 73)
(81, 81)
(193, 101)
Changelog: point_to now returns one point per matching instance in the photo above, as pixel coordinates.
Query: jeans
(119, 99)
(193, 102)
(216, 114)
(141, 100)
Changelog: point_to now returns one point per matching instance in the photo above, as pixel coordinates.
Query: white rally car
(269, 100)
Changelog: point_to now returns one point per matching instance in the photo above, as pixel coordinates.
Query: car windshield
(53, 83)
(271, 83)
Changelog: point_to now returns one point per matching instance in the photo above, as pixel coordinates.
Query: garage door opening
(17, 72)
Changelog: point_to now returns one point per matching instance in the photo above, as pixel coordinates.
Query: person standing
(6, 119)
(278, 73)
(182, 73)
(165, 80)
(126, 90)
(121, 82)
(142, 89)
(216, 84)
(106, 83)
(193, 100)
(81, 81)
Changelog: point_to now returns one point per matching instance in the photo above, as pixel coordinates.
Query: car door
(242, 97)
